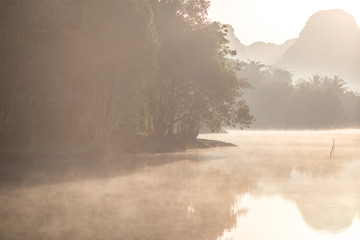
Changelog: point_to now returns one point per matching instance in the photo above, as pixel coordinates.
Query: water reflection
(327, 203)
(273, 217)
(173, 200)
(322, 194)
(274, 185)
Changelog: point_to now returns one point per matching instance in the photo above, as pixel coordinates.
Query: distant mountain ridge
(267, 53)
(329, 44)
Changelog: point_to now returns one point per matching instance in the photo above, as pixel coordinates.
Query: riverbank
(146, 144)
(112, 158)
(120, 145)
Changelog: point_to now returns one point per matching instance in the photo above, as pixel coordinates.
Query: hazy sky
(273, 20)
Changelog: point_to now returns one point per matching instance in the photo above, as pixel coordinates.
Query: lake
(272, 185)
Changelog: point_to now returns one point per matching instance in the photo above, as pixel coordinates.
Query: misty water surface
(298, 191)
(273, 185)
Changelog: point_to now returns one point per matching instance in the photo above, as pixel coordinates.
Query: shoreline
(129, 145)
(149, 145)
(26, 168)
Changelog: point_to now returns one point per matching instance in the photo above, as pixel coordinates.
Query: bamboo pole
(332, 151)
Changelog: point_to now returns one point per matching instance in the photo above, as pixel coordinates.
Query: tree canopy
(279, 102)
(78, 72)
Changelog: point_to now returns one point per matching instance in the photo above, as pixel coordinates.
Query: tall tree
(116, 47)
(73, 68)
(196, 82)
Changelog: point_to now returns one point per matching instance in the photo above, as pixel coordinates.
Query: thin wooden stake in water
(332, 152)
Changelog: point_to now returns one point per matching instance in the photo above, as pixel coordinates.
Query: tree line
(77, 72)
(277, 101)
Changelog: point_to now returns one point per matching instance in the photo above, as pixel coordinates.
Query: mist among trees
(278, 101)
(77, 73)
(74, 73)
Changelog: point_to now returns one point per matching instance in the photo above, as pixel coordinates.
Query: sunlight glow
(273, 21)
(280, 219)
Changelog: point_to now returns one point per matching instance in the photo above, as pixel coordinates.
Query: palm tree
(316, 81)
(338, 85)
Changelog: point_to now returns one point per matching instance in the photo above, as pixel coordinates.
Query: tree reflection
(173, 200)
(296, 166)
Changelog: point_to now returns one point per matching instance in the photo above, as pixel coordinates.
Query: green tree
(31, 44)
(116, 47)
(196, 82)
(315, 105)
(268, 97)
(73, 69)
(76, 72)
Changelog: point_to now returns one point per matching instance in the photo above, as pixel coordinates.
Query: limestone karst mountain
(329, 45)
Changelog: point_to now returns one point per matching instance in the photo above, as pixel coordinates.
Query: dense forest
(277, 101)
(77, 73)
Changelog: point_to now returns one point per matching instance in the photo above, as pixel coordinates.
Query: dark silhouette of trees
(195, 82)
(316, 105)
(271, 86)
(277, 102)
(76, 72)
(116, 47)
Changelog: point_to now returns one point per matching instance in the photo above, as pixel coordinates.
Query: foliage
(76, 72)
(195, 82)
(318, 102)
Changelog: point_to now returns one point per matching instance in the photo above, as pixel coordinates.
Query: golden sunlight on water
(273, 217)
(273, 185)
(300, 192)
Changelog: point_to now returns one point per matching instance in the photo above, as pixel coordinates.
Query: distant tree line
(76, 72)
(277, 101)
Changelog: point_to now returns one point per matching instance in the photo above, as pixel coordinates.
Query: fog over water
(101, 102)
(273, 185)
(300, 192)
